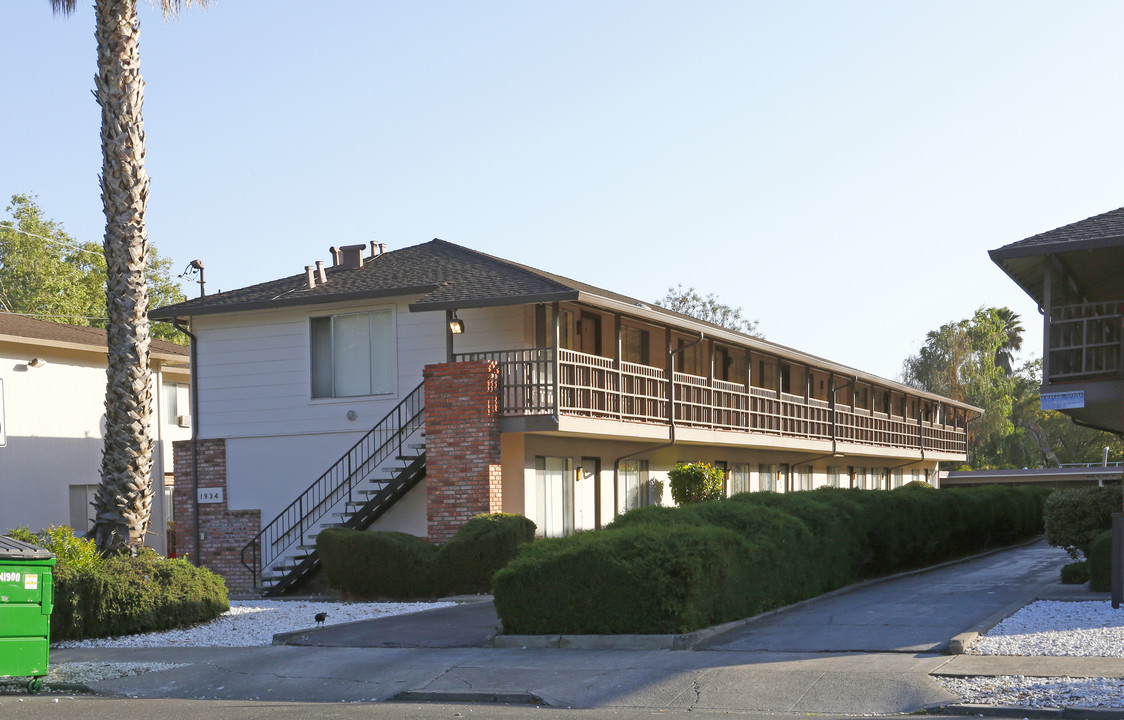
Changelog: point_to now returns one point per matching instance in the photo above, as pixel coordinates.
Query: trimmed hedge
(127, 595)
(1076, 573)
(670, 570)
(1075, 516)
(384, 564)
(1100, 562)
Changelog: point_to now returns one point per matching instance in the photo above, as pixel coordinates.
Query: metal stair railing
(336, 485)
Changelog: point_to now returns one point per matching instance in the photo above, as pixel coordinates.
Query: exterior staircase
(358, 489)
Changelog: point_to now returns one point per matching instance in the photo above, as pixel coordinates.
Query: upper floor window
(635, 343)
(353, 354)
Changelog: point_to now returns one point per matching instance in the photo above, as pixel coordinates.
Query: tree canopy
(972, 361)
(47, 274)
(708, 308)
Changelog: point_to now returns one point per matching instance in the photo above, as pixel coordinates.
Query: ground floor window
(860, 478)
(915, 473)
(804, 477)
(739, 478)
(767, 477)
(896, 474)
(554, 479)
(634, 490)
(833, 474)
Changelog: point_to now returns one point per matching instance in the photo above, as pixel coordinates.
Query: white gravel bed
(1053, 628)
(253, 623)
(1038, 692)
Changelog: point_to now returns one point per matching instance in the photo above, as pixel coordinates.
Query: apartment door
(784, 478)
(587, 509)
(555, 489)
(589, 334)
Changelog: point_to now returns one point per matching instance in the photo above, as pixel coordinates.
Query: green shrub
(1100, 562)
(125, 595)
(695, 482)
(385, 564)
(1075, 516)
(483, 545)
(666, 570)
(376, 564)
(1075, 573)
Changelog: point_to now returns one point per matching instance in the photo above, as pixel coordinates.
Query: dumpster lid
(12, 549)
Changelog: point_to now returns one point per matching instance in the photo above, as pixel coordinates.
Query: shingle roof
(21, 326)
(444, 274)
(1105, 228)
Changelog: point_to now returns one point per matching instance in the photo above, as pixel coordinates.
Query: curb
(512, 698)
(1014, 711)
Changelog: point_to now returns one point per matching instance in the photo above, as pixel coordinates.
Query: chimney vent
(311, 277)
(377, 248)
(348, 257)
(320, 272)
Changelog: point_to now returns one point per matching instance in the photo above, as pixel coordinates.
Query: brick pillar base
(222, 532)
(462, 445)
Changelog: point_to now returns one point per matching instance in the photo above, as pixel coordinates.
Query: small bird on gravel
(321, 617)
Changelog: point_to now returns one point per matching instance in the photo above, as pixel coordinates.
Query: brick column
(223, 532)
(462, 445)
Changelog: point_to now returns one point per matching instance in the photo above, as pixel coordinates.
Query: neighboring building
(1076, 275)
(541, 395)
(1055, 478)
(52, 421)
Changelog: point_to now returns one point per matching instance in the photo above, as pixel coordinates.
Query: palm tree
(124, 499)
(1013, 331)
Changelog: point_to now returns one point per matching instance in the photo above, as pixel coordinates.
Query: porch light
(456, 325)
(35, 362)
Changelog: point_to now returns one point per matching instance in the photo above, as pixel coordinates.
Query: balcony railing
(1085, 341)
(598, 387)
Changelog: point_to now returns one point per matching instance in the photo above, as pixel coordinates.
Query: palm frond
(63, 7)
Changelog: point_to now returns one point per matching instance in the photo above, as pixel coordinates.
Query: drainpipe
(194, 433)
(670, 421)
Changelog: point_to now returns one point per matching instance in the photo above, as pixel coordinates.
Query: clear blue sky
(837, 169)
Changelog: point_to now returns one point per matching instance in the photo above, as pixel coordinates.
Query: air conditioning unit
(184, 421)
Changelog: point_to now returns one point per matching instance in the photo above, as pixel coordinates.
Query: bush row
(123, 595)
(396, 565)
(669, 570)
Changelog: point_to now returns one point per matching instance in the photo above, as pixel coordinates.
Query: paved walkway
(824, 656)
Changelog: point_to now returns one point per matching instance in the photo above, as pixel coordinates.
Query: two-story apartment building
(52, 423)
(410, 390)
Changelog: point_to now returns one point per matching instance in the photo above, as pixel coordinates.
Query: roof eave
(178, 311)
(1017, 250)
(499, 301)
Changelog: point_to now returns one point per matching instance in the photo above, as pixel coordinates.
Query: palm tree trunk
(124, 499)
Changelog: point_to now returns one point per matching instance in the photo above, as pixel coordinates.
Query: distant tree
(1013, 331)
(961, 360)
(709, 309)
(48, 274)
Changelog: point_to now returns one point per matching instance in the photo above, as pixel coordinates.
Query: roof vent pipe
(320, 272)
(311, 277)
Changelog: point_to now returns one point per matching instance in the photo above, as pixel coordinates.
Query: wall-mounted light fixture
(456, 325)
(35, 363)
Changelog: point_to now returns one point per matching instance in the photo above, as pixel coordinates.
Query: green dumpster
(26, 599)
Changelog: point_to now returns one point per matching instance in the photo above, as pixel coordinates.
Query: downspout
(670, 421)
(194, 434)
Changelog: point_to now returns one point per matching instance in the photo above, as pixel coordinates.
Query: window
(804, 477)
(739, 478)
(353, 354)
(634, 487)
(833, 474)
(554, 479)
(897, 476)
(177, 402)
(860, 478)
(635, 344)
(915, 473)
(766, 477)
